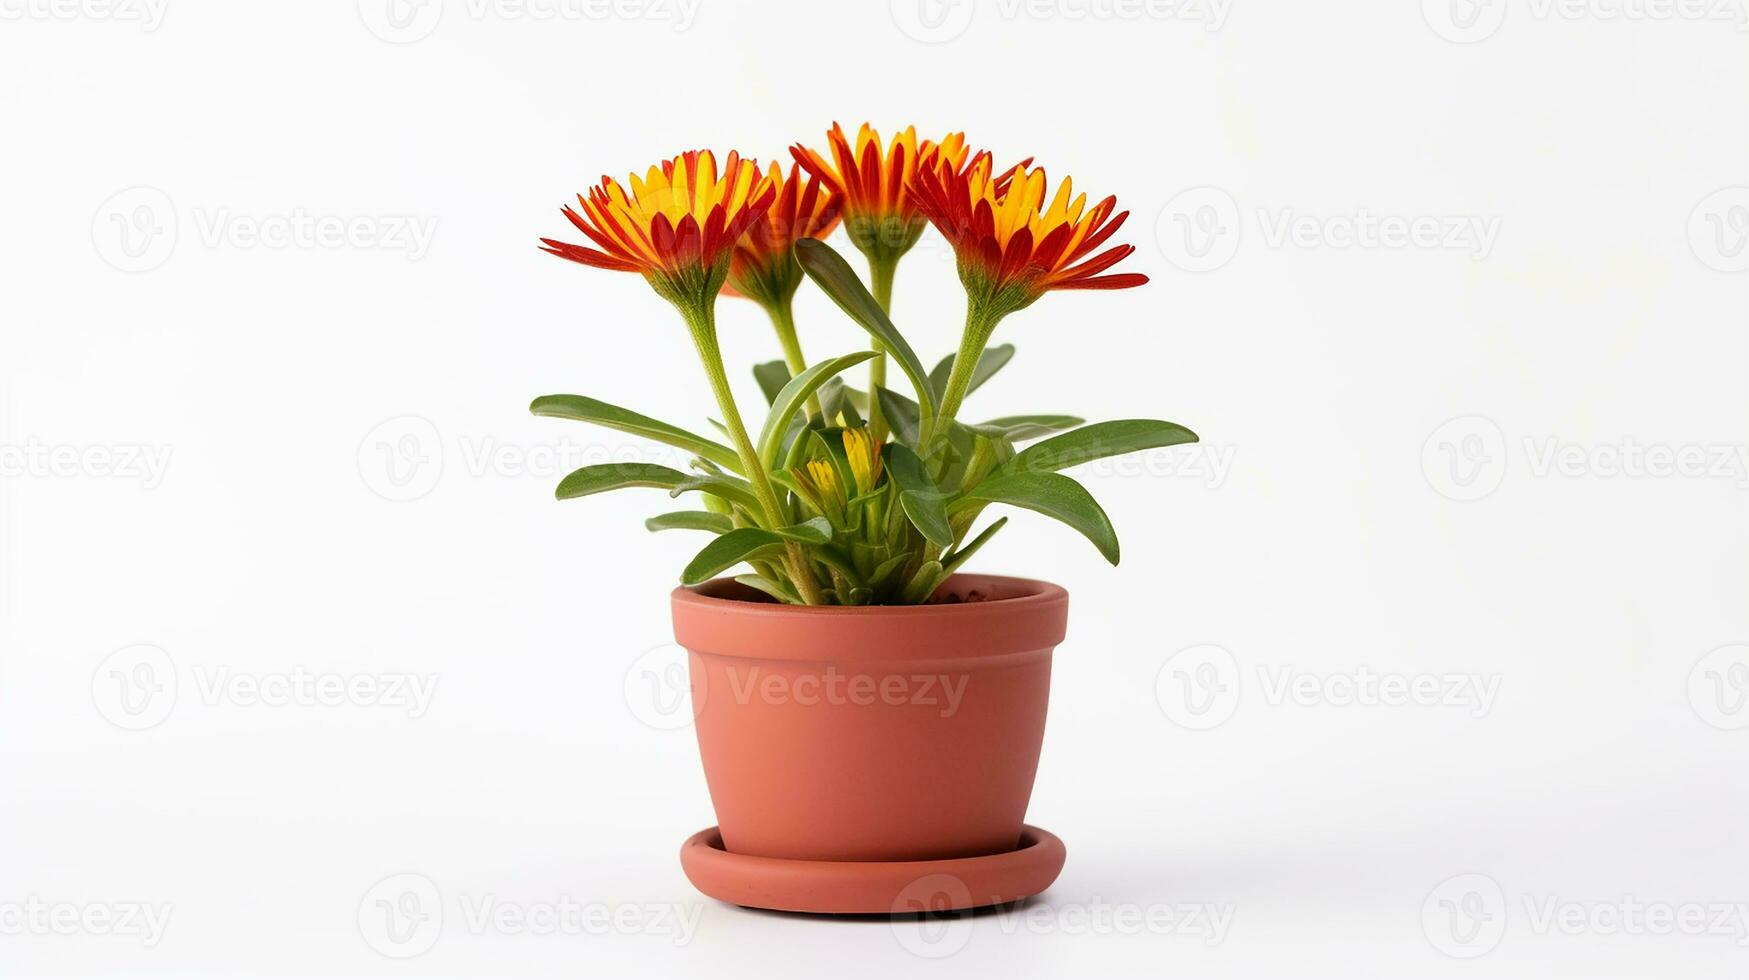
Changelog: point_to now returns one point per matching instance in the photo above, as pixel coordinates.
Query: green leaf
(584, 409)
(1097, 441)
(835, 401)
(1052, 495)
(815, 531)
(834, 275)
(923, 503)
(885, 571)
(992, 360)
(790, 399)
(832, 559)
(728, 488)
(795, 454)
(615, 476)
(901, 415)
(924, 583)
(926, 510)
(691, 520)
(1019, 428)
(952, 562)
(797, 425)
(729, 550)
(773, 589)
(772, 376)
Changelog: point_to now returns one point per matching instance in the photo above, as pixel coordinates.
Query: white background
(1332, 526)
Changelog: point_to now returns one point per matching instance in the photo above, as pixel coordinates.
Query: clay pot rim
(1027, 622)
(1035, 594)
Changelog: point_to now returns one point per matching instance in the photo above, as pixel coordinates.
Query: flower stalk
(783, 321)
(881, 271)
(701, 323)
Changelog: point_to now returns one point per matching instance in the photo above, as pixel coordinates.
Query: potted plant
(869, 714)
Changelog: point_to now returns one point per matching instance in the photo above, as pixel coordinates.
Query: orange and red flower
(876, 181)
(764, 266)
(682, 219)
(1009, 244)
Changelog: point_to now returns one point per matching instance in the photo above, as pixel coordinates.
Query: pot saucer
(884, 887)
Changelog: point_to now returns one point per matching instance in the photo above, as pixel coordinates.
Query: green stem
(979, 326)
(704, 336)
(881, 271)
(784, 320)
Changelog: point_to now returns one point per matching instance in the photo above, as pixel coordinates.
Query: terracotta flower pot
(891, 733)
